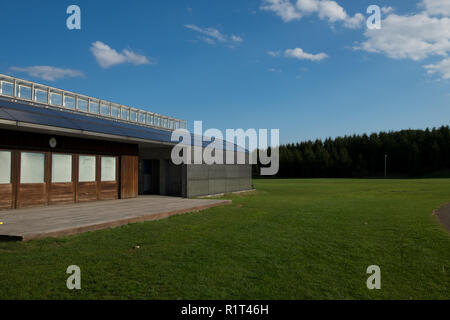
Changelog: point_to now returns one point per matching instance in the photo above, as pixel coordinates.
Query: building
(59, 147)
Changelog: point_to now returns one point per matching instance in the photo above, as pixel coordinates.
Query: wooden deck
(63, 220)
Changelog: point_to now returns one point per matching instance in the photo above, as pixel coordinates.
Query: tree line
(410, 153)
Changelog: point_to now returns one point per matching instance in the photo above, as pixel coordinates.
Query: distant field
(291, 239)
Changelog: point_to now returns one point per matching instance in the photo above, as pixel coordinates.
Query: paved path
(443, 215)
(62, 220)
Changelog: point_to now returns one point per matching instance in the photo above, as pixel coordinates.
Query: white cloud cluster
(387, 10)
(298, 53)
(236, 39)
(442, 67)
(436, 7)
(325, 9)
(415, 36)
(212, 35)
(108, 57)
(48, 72)
(283, 8)
(273, 53)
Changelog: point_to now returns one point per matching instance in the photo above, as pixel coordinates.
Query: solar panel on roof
(42, 119)
(4, 115)
(43, 116)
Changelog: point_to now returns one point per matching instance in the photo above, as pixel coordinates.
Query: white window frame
(103, 176)
(27, 181)
(71, 168)
(95, 168)
(10, 167)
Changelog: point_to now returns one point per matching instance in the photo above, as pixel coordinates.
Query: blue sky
(311, 69)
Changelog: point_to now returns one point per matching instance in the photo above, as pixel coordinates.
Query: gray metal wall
(205, 179)
(198, 179)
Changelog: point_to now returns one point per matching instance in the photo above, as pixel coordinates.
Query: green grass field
(291, 239)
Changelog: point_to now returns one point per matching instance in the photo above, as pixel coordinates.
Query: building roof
(23, 115)
(16, 89)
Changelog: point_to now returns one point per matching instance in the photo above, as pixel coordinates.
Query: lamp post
(385, 165)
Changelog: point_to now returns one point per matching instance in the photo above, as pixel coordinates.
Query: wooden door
(128, 177)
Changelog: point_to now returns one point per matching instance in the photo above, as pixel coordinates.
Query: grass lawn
(292, 239)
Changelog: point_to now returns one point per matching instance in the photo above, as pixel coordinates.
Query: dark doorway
(149, 177)
(173, 176)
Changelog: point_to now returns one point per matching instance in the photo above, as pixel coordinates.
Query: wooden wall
(20, 140)
(19, 195)
(8, 191)
(129, 176)
(6, 196)
(108, 190)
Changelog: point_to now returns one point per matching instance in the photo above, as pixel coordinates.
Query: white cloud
(210, 32)
(308, 6)
(283, 8)
(211, 35)
(387, 10)
(237, 39)
(442, 67)
(417, 36)
(436, 7)
(48, 72)
(355, 21)
(134, 58)
(331, 10)
(273, 53)
(325, 9)
(207, 40)
(108, 57)
(298, 53)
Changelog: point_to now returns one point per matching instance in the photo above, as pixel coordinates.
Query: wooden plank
(17, 180)
(32, 194)
(7, 190)
(75, 177)
(86, 191)
(6, 196)
(61, 193)
(14, 177)
(128, 177)
(17, 195)
(75, 174)
(98, 173)
(47, 176)
(18, 141)
(109, 190)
